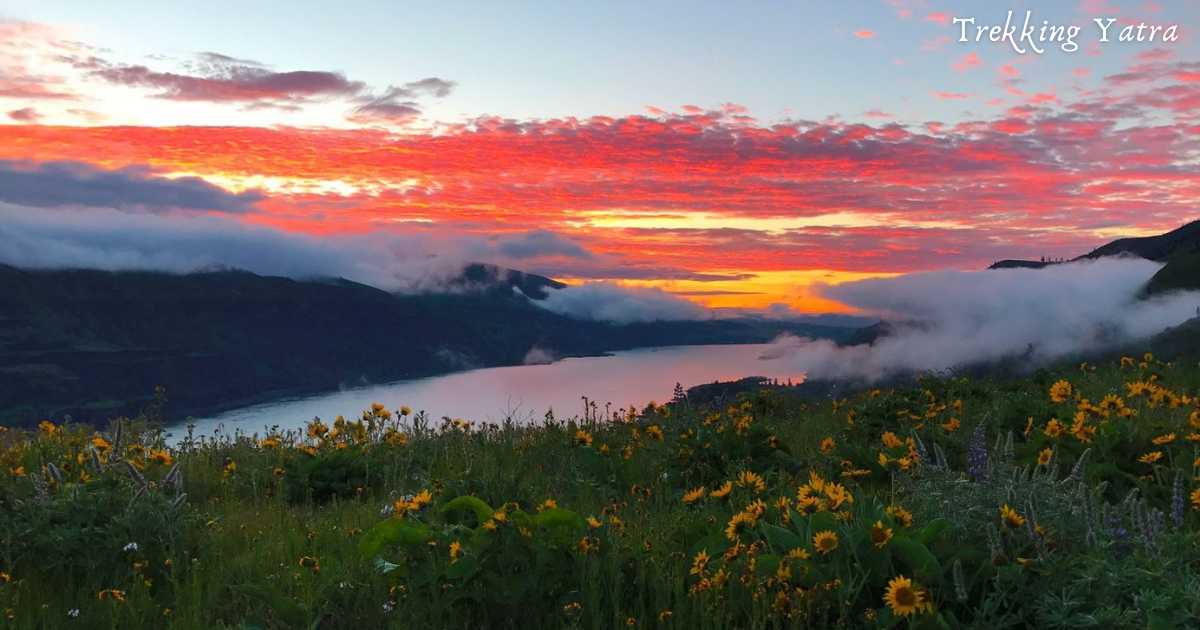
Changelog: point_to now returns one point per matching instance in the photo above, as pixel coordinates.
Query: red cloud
(1033, 176)
(864, 34)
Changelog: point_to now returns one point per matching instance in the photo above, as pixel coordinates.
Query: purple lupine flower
(1156, 521)
(1177, 505)
(1077, 471)
(1116, 531)
(977, 456)
(960, 584)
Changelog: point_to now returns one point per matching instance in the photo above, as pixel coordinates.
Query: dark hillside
(95, 344)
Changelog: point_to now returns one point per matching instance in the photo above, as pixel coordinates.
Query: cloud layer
(621, 305)
(138, 188)
(962, 318)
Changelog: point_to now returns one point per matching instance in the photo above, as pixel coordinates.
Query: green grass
(236, 551)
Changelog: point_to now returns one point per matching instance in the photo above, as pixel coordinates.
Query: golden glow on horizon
(298, 185)
(796, 288)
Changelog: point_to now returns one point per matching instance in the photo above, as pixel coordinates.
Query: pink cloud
(865, 34)
(1155, 55)
(934, 45)
(948, 96)
(1096, 7)
(970, 60)
(940, 18)
(1044, 97)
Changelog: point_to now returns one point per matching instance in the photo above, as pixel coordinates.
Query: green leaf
(916, 556)
(782, 538)
(1159, 623)
(767, 565)
(463, 569)
(714, 545)
(822, 521)
(560, 518)
(934, 528)
(481, 510)
(393, 531)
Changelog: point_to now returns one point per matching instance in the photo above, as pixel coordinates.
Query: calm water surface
(524, 392)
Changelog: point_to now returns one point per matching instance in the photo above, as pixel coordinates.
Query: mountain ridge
(95, 344)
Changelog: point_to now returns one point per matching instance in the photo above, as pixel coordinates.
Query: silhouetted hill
(95, 344)
(1019, 264)
(868, 334)
(1162, 247)
(490, 278)
(1183, 240)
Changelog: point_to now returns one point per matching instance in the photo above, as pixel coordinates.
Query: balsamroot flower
(1060, 392)
(825, 541)
(904, 597)
(880, 535)
(1009, 517)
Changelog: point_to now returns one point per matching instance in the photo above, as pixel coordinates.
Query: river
(523, 392)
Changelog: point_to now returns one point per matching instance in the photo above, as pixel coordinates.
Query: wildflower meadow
(1064, 499)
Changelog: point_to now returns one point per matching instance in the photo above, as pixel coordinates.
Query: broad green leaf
(560, 518)
(916, 556)
(782, 538)
(393, 531)
(714, 545)
(463, 569)
(931, 530)
(822, 521)
(476, 505)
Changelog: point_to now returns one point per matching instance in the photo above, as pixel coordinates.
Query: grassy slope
(251, 526)
(1181, 273)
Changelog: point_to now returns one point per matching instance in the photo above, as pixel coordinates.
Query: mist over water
(950, 319)
(524, 392)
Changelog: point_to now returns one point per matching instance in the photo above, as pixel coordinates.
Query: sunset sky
(732, 153)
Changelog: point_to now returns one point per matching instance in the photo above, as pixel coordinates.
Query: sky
(735, 155)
